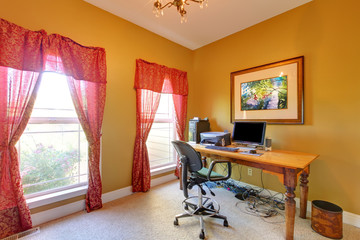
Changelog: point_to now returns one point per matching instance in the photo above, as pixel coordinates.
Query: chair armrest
(212, 165)
(184, 175)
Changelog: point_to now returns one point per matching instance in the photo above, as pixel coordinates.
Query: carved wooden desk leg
(304, 192)
(290, 209)
(290, 206)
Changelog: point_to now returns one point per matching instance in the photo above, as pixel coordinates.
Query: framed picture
(272, 92)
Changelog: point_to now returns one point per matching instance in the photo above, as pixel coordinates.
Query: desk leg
(290, 206)
(304, 192)
(290, 209)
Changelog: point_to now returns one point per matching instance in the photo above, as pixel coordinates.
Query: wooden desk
(288, 165)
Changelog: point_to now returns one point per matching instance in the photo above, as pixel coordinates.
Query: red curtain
(17, 91)
(20, 64)
(151, 80)
(89, 101)
(24, 55)
(147, 103)
(86, 71)
(180, 105)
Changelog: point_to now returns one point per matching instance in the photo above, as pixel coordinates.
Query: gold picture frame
(272, 92)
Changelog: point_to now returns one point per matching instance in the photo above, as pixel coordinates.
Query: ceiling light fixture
(179, 4)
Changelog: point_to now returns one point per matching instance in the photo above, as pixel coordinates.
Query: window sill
(56, 197)
(164, 169)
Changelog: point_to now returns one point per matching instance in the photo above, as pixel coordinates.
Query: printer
(215, 138)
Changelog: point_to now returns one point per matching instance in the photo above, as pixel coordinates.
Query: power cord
(258, 201)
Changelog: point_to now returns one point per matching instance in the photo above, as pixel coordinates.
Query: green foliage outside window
(48, 166)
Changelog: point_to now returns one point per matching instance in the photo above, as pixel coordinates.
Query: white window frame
(166, 167)
(61, 193)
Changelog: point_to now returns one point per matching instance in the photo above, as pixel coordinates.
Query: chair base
(206, 207)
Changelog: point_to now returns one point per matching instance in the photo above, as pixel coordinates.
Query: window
(53, 148)
(161, 152)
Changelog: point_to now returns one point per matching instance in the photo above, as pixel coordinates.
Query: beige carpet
(150, 216)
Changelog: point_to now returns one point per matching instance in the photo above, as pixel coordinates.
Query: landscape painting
(265, 94)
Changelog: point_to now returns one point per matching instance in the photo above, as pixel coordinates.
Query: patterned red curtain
(89, 101)
(86, 71)
(20, 64)
(24, 55)
(147, 103)
(180, 105)
(152, 79)
(17, 91)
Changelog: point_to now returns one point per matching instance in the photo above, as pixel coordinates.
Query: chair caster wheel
(176, 222)
(226, 224)
(202, 235)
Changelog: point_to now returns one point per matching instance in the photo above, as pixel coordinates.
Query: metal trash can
(326, 219)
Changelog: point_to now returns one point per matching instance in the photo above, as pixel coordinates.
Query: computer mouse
(253, 151)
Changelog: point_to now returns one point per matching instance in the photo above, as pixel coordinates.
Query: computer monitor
(249, 133)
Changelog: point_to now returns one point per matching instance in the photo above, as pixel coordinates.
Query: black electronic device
(197, 126)
(216, 138)
(249, 133)
(228, 149)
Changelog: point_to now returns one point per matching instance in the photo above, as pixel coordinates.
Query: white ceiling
(220, 19)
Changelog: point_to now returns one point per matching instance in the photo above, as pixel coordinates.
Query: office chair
(198, 206)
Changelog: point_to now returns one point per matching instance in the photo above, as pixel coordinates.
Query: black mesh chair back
(188, 155)
(205, 207)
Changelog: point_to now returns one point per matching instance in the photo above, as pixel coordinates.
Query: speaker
(268, 144)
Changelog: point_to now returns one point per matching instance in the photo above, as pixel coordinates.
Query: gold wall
(124, 42)
(326, 33)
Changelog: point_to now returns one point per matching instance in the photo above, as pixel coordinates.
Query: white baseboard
(55, 213)
(120, 193)
(351, 219)
(161, 180)
(348, 217)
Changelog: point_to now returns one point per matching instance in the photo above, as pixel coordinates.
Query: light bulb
(184, 18)
(157, 13)
(157, 8)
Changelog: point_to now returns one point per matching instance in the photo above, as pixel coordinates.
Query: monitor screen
(252, 133)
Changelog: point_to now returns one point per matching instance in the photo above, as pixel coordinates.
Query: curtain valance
(159, 78)
(34, 51)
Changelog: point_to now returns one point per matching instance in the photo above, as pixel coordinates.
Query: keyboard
(229, 149)
(246, 148)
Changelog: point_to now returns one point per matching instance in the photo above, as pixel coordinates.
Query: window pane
(53, 147)
(162, 132)
(52, 157)
(165, 109)
(53, 99)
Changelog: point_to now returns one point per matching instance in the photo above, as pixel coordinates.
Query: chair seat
(204, 172)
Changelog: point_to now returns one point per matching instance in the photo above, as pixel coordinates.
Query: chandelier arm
(179, 4)
(169, 3)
